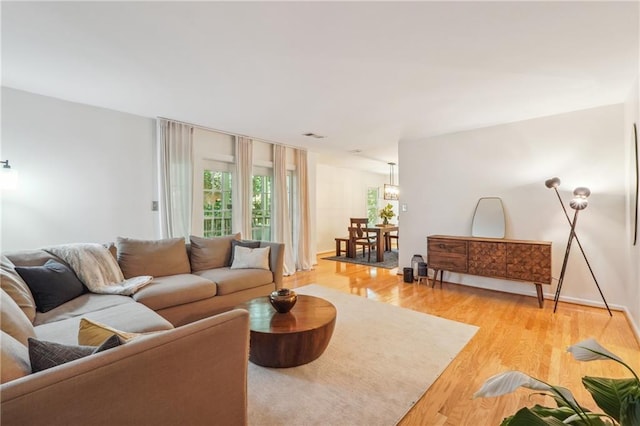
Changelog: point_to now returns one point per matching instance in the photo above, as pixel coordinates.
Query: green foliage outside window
(217, 203)
(372, 205)
(261, 208)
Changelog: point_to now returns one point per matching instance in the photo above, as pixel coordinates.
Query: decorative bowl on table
(283, 300)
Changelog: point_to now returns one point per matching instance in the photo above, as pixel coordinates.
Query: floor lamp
(579, 202)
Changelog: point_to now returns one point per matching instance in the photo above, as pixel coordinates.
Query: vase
(415, 261)
(385, 221)
(283, 300)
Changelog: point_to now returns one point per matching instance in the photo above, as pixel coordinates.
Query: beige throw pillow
(210, 253)
(13, 321)
(14, 359)
(157, 258)
(93, 333)
(251, 258)
(16, 288)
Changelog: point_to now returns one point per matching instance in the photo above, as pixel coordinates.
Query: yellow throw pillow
(92, 333)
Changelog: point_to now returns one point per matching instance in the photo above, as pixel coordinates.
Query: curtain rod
(230, 134)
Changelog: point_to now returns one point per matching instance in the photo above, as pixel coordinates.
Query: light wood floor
(514, 335)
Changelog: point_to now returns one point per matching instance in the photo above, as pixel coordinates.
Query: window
(372, 205)
(217, 203)
(261, 207)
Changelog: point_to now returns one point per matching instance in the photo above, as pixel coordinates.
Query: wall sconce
(8, 176)
(391, 191)
(578, 202)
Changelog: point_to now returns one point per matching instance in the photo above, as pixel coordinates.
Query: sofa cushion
(44, 355)
(13, 321)
(164, 292)
(88, 302)
(51, 284)
(16, 288)
(157, 258)
(94, 333)
(97, 269)
(14, 360)
(131, 317)
(209, 253)
(230, 281)
(241, 243)
(31, 257)
(251, 258)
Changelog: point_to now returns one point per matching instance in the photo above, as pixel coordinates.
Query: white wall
(341, 194)
(86, 173)
(632, 286)
(443, 177)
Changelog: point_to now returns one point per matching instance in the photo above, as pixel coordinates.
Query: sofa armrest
(276, 261)
(181, 376)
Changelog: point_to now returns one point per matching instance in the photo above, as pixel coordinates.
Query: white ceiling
(364, 74)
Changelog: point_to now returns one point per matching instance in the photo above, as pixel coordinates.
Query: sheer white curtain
(175, 178)
(281, 221)
(242, 188)
(302, 221)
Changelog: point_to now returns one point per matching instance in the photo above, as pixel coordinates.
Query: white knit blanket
(97, 269)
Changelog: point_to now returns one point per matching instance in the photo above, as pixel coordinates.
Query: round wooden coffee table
(288, 340)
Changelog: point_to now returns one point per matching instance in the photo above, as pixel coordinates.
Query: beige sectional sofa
(192, 372)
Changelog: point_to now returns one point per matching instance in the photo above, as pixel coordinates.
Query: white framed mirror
(488, 218)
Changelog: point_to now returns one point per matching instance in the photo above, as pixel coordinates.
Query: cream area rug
(380, 361)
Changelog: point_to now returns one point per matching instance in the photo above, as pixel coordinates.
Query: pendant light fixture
(391, 191)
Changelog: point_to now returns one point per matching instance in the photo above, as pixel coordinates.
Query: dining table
(382, 233)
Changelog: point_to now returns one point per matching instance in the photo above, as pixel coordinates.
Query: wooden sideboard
(518, 260)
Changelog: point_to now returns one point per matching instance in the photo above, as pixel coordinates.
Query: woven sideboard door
(529, 262)
(488, 259)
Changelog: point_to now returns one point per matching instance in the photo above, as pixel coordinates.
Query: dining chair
(360, 236)
(359, 222)
(396, 237)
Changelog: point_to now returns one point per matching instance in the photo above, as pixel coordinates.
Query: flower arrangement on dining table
(386, 213)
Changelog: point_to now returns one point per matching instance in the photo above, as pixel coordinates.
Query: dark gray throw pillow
(43, 354)
(242, 243)
(51, 284)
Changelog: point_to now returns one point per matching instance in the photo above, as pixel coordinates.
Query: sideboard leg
(435, 278)
(540, 295)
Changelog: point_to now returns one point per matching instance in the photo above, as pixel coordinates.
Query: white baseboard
(633, 326)
(325, 252)
(586, 302)
(550, 296)
(578, 301)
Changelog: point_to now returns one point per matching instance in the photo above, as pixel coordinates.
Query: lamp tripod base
(573, 235)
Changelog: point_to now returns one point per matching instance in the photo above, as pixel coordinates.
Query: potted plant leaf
(618, 398)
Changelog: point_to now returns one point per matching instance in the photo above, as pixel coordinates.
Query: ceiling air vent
(313, 135)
